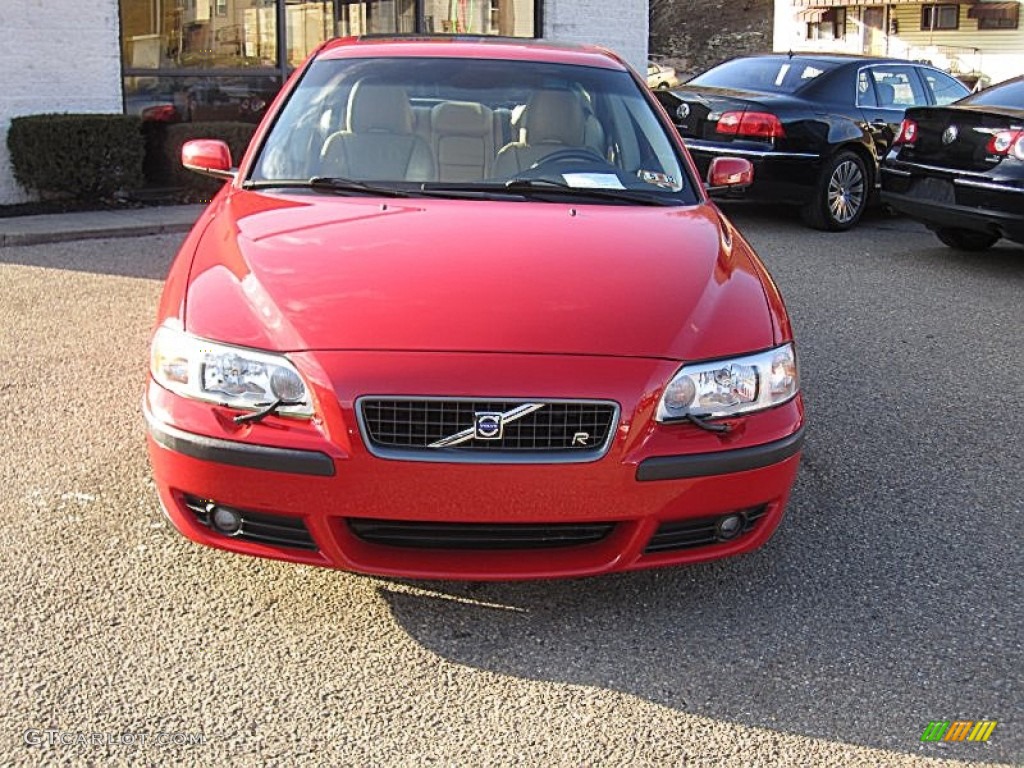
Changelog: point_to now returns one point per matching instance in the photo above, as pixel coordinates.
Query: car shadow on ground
(150, 262)
(759, 211)
(771, 640)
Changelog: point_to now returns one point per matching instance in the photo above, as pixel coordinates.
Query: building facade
(980, 41)
(225, 59)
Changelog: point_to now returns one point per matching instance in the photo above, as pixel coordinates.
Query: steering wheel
(570, 155)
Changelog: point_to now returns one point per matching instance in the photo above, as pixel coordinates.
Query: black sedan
(960, 169)
(814, 125)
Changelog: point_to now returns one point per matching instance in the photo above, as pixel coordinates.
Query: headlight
(731, 387)
(235, 377)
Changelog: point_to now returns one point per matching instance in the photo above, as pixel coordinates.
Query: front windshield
(437, 124)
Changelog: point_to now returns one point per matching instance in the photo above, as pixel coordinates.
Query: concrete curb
(92, 225)
(38, 238)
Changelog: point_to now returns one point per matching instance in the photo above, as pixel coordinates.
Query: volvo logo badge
(488, 425)
(949, 135)
(683, 111)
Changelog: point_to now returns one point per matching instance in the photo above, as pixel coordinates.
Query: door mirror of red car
(209, 157)
(729, 173)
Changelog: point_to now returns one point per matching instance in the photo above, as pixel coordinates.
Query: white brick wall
(55, 56)
(617, 24)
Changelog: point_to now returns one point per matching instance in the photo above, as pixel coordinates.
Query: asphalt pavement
(890, 596)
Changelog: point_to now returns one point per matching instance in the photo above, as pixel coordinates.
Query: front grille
(276, 530)
(440, 428)
(698, 532)
(420, 535)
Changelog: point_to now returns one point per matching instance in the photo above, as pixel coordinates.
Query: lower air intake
(701, 531)
(258, 527)
(481, 536)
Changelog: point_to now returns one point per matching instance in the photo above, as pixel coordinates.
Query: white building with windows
(977, 40)
(224, 59)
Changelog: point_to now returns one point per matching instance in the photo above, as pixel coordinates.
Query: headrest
(555, 117)
(886, 94)
(461, 118)
(376, 107)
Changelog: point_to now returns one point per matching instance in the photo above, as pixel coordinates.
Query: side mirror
(729, 173)
(209, 157)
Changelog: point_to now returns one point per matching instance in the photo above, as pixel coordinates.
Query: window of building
(831, 25)
(996, 15)
(213, 59)
(940, 17)
(510, 18)
(171, 35)
(307, 24)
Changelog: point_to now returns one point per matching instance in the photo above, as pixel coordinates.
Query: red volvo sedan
(465, 310)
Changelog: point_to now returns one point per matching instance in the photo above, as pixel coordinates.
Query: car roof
(459, 47)
(833, 58)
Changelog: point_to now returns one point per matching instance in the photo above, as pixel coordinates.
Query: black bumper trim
(722, 463)
(1005, 221)
(236, 454)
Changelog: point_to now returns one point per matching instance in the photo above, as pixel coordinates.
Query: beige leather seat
(886, 95)
(553, 120)
(379, 143)
(463, 140)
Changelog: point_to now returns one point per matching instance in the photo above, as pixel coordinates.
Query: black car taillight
(1006, 142)
(907, 133)
(760, 125)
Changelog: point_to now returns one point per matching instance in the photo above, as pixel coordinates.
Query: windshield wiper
(599, 193)
(266, 409)
(334, 184)
(548, 186)
(339, 185)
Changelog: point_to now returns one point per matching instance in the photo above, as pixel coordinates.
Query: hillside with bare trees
(696, 34)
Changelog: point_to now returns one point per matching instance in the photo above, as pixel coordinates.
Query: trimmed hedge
(77, 156)
(197, 186)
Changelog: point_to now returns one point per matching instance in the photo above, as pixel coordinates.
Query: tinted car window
(779, 75)
(897, 87)
(865, 91)
(944, 88)
(1009, 94)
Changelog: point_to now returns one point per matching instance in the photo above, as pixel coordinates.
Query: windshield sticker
(593, 180)
(657, 178)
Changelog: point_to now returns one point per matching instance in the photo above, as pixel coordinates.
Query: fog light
(730, 526)
(226, 521)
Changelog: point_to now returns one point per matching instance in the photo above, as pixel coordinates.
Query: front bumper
(940, 199)
(643, 504)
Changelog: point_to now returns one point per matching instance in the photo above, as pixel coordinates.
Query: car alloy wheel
(846, 192)
(841, 194)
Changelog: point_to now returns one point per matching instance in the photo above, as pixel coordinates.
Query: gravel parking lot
(890, 597)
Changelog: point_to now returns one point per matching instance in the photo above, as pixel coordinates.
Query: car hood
(297, 272)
